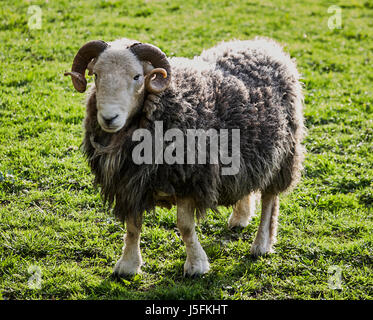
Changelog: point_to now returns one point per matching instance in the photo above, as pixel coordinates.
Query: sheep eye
(136, 77)
(95, 75)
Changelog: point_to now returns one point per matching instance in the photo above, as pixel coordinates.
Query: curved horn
(159, 78)
(90, 50)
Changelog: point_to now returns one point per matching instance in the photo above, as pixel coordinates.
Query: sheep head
(123, 75)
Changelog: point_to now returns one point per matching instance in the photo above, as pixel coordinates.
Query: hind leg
(243, 210)
(266, 235)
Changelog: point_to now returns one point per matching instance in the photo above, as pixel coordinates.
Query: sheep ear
(90, 66)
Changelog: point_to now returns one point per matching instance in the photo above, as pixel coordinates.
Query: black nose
(108, 121)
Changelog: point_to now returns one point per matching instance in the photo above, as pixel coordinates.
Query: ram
(251, 88)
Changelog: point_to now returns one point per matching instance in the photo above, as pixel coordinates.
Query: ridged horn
(86, 53)
(160, 77)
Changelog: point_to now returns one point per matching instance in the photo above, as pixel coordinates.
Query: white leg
(266, 235)
(196, 261)
(130, 261)
(243, 210)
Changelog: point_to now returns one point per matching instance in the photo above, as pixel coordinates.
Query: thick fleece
(252, 86)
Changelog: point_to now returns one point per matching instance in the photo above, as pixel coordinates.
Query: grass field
(52, 221)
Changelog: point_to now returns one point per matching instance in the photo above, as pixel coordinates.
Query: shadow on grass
(173, 285)
(170, 284)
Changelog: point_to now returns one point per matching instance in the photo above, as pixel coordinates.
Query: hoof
(235, 221)
(124, 268)
(196, 268)
(260, 250)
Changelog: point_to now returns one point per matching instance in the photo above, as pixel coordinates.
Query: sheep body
(252, 86)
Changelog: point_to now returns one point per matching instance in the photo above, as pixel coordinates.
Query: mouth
(110, 129)
(111, 126)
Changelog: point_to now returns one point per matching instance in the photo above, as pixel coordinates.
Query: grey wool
(249, 85)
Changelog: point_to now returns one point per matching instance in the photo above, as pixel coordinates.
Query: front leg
(130, 261)
(196, 261)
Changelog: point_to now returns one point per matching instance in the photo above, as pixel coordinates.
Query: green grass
(53, 218)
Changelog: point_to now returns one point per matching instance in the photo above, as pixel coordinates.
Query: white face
(119, 81)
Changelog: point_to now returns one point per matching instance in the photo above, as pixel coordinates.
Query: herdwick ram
(249, 86)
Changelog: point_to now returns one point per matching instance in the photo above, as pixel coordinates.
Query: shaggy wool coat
(252, 86)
